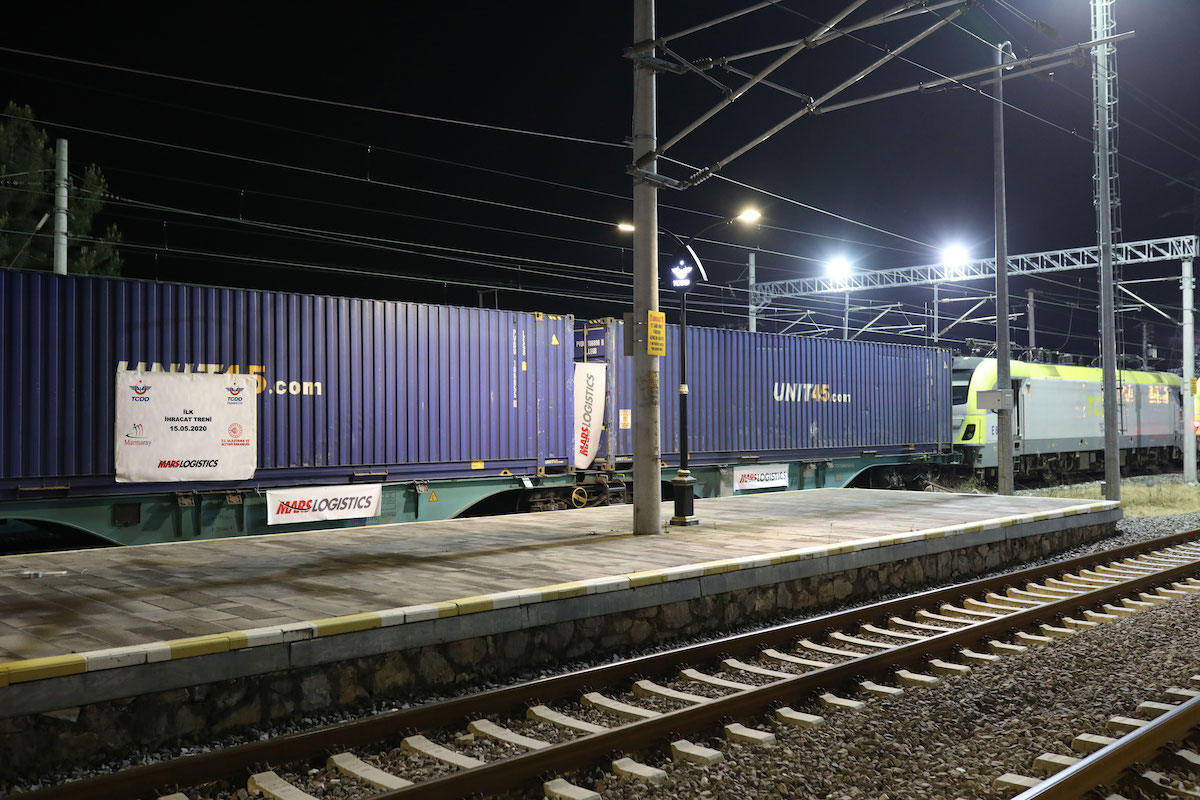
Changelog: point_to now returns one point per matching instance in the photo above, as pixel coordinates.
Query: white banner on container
(760, 476)
(589, 412)
(323, 502)
(177, 426)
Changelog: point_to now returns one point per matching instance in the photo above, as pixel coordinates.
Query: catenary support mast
(1004, 436)
(60, 208)
(1029, 309)
(753, 321)
(1104, 97)
(1189, 371)
(647, 456)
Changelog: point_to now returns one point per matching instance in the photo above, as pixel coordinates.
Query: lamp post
(954, 260)
(683, 278)
(838, 271)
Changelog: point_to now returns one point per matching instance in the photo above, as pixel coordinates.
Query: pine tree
(27, 192)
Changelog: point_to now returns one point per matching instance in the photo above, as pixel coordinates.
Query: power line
(315, 100)
(1123, 155)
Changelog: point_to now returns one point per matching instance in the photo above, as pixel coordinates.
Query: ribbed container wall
(345, 385)
(774, 395)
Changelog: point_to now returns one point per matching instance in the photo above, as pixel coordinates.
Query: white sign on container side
(176, 426)
(589, 412)
(760, 476)
(311, 504)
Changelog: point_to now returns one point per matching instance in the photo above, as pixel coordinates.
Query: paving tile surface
(127, 595)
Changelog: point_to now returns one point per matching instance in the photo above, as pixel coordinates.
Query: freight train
(143, 411)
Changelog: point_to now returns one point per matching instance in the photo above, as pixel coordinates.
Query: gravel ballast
(952, 740)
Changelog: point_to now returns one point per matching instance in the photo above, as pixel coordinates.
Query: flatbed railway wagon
(367, 411)
(772, 411)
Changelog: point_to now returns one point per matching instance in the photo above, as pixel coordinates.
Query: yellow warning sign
(554, 338)
(433, 497)
(656, 333)
(1193, 385)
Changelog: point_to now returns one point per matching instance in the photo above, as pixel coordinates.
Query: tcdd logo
(139, 392)
(234, 398)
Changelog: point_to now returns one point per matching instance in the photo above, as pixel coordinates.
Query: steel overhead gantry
(1176, 248)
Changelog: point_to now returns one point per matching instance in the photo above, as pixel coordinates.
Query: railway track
(1147, 736)
(661, 700)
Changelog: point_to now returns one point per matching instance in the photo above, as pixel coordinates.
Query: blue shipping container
(776, 396)
(380, 389)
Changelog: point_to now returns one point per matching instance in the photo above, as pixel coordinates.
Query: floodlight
(955, 258)
(838, 270)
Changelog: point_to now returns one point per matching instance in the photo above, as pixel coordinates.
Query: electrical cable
(979, 92)
(306, 99)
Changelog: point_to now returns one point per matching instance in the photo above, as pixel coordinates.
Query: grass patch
(1140, 501)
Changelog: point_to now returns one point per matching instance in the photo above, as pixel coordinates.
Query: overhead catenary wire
(1124, 120)
(309, 99)
(766, 266)
(424, 190)
(1007, 104)
(322, 101)
(1168, 114)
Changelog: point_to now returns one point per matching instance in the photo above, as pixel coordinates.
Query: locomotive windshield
(960, 385)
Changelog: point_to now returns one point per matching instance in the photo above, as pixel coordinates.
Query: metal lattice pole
(1104, 78)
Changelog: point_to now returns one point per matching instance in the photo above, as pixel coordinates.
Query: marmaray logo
(137, 436)
(140, 389)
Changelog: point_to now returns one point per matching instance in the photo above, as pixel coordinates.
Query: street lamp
(683, 279)
(838, 271)
(954, 260)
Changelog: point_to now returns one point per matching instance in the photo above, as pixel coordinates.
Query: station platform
(86, 626)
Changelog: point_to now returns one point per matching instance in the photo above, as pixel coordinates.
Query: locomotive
(1058, 419)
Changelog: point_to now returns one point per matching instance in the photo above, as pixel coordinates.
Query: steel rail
(512, 772)
(1107, 765)
(146, 780)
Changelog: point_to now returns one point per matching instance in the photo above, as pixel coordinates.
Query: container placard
(323, 502)
(760, 476)
(176, 426)
(589, 412)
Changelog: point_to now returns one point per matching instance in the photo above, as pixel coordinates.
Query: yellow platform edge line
(646, 578)
(198, 645)
(331, 626)
(36, 669)
(475, 604)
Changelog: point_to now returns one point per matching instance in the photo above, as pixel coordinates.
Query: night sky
(221, 186)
